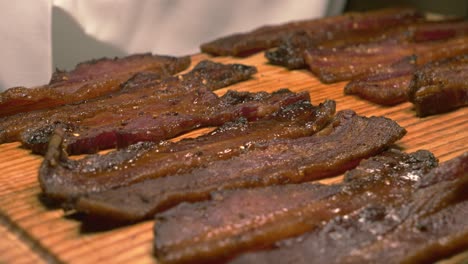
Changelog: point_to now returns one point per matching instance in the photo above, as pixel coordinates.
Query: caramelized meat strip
(243, 44)
(338, 147)
(347, 63)
(88, 80)
(388, 86)
(402, 229)
(432, 225)
(141, 91)
(238, 220)
(440, 86)
(167, 119)
(65, 179)
(290, 53)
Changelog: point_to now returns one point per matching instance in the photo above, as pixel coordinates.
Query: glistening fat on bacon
(440, 86)
(266, 37)
(350, 62)
(239, 220)
(433, 223)
(387, 86)
(88, 80)
(422, 226)
(34, 128)
(168, 119)
(338, 147)
(290, 53)
(66, 179)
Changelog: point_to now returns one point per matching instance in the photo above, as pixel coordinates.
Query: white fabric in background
(175, 27)
(179, 26)
(25, 49)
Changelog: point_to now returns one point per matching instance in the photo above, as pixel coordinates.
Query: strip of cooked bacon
(163, 120)
(65, 179)
(421, 226)
(88, 80)
(238, 220)
(388, 86)
(440, 86)
(243, 44)
(433, 224)
(340, 64)
(151, 93)
(336, 148)
(290, 53)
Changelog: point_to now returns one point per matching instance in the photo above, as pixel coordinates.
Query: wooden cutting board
(30, 232)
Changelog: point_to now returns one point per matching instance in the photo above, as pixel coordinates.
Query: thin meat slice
(440, 86)
(388, 86)
(290, 53)
(166, 119)
(419, 227)
(432, 224)
(66, 179)
(238, 220)
(347, 63)
(266, 37)
(141, 91)
(338, 147)
(88, 80)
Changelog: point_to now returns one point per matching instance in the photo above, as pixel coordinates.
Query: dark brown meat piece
(34, 128)
(62, 178)
(440, 86)
(347, 63)
(167, 119)
(239, 220)
(388, 86)
(290, 53)
(339, 146)
(243, 44)
(88, 80)
(406, 229)
(432, 225)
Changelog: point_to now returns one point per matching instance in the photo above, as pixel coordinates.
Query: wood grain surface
(33, 232)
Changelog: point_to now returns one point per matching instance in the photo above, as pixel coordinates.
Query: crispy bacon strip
(291, 50)
(388, 86)
(422, 226)
(440, 86)
(65, 179)
(432, 224)
(34, 128)
(340, 64)
(244, 44)
(166, 119)
(88, 80)
(238, 220)
(339, 146)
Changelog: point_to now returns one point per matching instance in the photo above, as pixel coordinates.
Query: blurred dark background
(444, 7)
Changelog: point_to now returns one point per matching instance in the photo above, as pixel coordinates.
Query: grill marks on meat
(423, 226)
(340, 64)
(266, 37)
(290, 53)
(388, 86)
(34, 128)
(62, 178)
(88, 80)
(440, 86)
(239, 220)
(339, 146)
